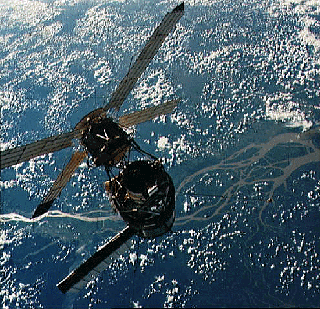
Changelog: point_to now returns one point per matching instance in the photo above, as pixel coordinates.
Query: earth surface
(242, 148)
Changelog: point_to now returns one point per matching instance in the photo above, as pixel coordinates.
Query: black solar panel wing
(148, 52)
(10, 157)
(98, 262)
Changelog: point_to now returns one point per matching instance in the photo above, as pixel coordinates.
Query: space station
(141, 191)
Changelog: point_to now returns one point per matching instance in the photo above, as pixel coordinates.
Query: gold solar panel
(148, 113)
(61, 182)
(24, 153)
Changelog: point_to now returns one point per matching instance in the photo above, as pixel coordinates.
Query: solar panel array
(148, 113)
(98, 262)
(24, 153)
(60, 182)
(148, 52)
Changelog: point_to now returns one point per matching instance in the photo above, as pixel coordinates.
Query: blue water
(242, 148)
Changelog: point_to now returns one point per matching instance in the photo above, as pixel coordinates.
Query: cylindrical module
(144, 195)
